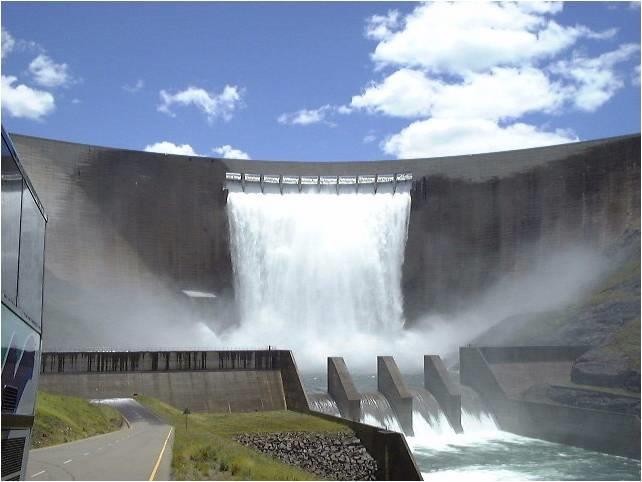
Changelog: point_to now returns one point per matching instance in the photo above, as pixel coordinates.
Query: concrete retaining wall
(342, 389)
(200, 391)
(511, 354)
(295, 396)
(437, 382)
(392, 385)
(603, 431)
(247, 380)
(390, 449)
(83, 362)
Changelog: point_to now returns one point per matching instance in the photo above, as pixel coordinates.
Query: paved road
(134, 453)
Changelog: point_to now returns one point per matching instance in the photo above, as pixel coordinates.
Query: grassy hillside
(60, 419)
(205, 449)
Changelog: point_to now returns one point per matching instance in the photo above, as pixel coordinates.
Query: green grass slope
(205, 449)
(60, 419)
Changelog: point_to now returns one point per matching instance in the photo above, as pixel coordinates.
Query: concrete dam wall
(133, 235)
(205, 381)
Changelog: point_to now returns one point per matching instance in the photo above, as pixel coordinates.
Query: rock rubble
(334, 456)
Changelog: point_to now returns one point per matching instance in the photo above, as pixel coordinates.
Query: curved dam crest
(133, 235)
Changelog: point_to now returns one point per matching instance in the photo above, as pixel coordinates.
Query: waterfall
(424, 403)
(324, 403)
(376, 410)
(428, 419)
(432, 429)
(475, 417)
(315, 271)
(427, 415)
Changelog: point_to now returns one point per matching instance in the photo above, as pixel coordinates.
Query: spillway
(376, 410)
(323, 403)
(314, 270)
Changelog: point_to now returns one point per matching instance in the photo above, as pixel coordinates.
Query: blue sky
(321, 81)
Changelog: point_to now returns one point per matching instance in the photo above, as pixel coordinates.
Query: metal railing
(375, 180)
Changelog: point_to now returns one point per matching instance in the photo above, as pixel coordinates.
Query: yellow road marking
(160, 456)
(129, 425)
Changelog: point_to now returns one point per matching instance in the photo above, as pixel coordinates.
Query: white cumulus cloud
(473, 36)
(48, 73)
(8, 43)
(305, 117)
(595, 79)
(228, 152)
(501, 93)
(221, 105)
(379, 27)
(447, 137)
(468, 72)
(20, 100)
(405, 93)
(166, 147)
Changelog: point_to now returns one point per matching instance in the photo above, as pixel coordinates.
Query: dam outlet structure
(320, 260)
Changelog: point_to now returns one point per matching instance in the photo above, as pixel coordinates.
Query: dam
(154, 230)
(357, 265)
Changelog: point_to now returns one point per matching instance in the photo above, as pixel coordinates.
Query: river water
(482, 452)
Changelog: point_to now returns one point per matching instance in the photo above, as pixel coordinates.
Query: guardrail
(243, 179)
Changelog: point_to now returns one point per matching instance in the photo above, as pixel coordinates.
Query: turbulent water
(324, 403)
(317, 271)
(483, 451)
(376, 410)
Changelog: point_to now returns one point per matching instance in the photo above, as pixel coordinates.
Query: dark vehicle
(23, 253)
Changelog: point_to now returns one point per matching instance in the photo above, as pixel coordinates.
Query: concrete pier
(342, 389)
(437, 381)
(391, 384)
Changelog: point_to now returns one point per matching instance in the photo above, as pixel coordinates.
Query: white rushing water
(319, 272)
(376, 410)
(484, 452)
(324, 403)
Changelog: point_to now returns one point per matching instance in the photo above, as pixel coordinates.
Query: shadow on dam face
(138, 230)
